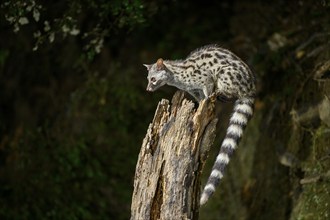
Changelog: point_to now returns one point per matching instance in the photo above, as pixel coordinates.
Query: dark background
(74, 110)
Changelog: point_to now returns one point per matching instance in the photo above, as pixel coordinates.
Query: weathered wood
(167, 178)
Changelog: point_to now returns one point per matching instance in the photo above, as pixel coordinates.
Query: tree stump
(168, 171)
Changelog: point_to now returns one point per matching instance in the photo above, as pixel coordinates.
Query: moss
(314, 201)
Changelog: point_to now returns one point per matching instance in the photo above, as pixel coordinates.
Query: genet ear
(160, 64)
(148, 66)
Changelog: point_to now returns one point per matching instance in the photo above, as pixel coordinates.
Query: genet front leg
(208, 88)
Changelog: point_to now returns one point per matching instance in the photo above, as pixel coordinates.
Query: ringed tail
(243, 111)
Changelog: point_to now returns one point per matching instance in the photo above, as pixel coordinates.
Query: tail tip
(204, 199)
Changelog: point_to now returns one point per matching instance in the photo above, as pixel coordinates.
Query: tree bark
(168, 171)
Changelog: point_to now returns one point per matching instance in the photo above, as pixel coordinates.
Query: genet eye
(153, 79)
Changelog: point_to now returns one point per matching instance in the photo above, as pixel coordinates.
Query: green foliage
(3, 56)
(78, 167)
(47, 179)
(102, 19)
(78, 161)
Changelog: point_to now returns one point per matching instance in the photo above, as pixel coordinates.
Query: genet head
(158, 75)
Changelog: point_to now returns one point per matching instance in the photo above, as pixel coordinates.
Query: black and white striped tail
(243, 110)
